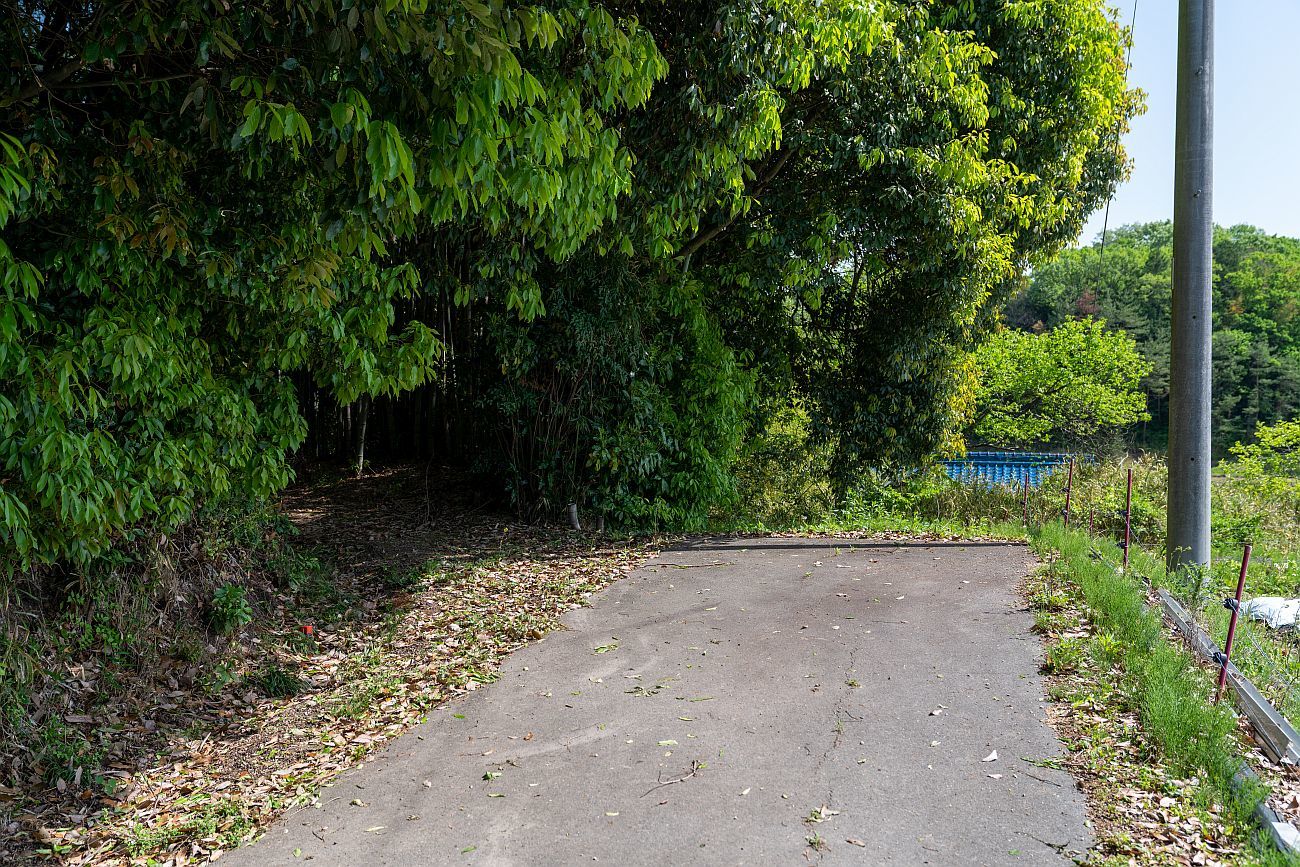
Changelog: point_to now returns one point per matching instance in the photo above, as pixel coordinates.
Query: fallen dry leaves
(193, 774)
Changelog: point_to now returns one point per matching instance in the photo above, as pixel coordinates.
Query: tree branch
(47, 83)
(1037, 401)
(706, 235)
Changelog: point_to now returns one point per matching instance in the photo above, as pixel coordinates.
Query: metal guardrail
(1277, 736)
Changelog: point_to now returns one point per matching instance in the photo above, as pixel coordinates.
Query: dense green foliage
(199, 198)
(585, 247)
(1266, 475)
(1256, 318)
(1073, 385)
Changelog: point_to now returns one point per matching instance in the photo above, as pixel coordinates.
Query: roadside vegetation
(674, 266)
(1153, 757)
(1167, 690)
(164, 757)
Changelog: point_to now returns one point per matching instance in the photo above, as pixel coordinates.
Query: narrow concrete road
(754, 701)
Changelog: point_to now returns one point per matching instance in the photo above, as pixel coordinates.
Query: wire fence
(1095, 495)
(1269, 656)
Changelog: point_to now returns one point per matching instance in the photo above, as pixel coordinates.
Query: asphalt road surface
(750, 701)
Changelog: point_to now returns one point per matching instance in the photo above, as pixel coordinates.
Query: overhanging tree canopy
(597, 236)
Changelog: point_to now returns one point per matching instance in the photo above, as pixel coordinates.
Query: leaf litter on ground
(200, 773)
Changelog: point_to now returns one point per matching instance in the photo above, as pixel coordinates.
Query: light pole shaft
(1188, 539)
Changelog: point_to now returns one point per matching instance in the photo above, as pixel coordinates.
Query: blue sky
(1256, 122)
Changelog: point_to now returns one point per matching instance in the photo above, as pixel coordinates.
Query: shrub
(230, 609)
(782, 475)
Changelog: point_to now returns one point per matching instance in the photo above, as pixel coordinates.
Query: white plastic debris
(1276, 611)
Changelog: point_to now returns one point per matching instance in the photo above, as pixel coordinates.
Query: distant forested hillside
(1256, 318)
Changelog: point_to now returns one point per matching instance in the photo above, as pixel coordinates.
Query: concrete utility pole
(1188, 536)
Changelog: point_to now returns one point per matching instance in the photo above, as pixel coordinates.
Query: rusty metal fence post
(1233, 605)
(1069, 486)
(1026, 506)
(1128, 514)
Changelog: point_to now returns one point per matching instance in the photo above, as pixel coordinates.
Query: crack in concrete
(841, 713)
(797, 743)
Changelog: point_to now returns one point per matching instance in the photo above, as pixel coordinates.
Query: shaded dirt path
(736, 701)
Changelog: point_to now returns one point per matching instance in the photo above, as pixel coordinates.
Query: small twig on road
(695, 768)
(1059, 847)
(1041, 780)
(693, 565)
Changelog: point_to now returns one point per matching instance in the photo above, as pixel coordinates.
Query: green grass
(1065, 656)
(1269, 657)
(857, 519)
(223, 822)
(1170, 691)
(1120, 771)
(276, 682)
